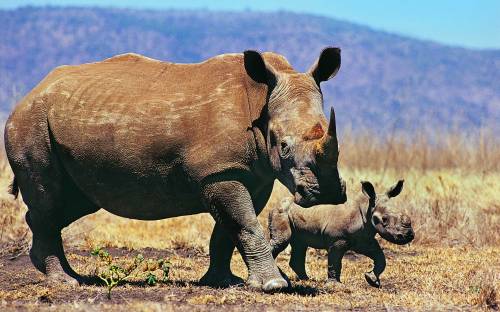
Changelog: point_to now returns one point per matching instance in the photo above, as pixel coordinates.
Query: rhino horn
(332, 127)
(328, 146)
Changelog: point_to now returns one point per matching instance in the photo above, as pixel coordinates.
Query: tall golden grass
(451, 192)
(477, 151)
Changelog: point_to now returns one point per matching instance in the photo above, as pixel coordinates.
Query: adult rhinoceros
(146, 139)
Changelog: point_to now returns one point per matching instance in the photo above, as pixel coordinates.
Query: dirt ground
(453, 263)
(448, 279)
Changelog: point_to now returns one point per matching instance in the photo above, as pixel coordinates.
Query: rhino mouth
(305, 198)
(309, 191)
(399, 238)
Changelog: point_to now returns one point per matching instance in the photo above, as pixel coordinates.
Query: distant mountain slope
(386, 81)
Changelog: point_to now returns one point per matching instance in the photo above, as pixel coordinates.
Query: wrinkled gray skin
(339, 229)
(149, 140)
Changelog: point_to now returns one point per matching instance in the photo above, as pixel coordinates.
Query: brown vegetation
(451, 193)
(430, 150)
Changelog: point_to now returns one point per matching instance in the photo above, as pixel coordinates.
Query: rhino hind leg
(47, 252)
(53, 200)
(47, 255)
(53, 203)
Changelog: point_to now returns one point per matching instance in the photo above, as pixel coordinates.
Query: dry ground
(454, 262)
(418, 277)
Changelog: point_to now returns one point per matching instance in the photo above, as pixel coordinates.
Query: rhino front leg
(221, 251)
(374, 252)
(231, 206)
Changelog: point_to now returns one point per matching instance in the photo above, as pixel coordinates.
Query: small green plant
(151, 279)
(113, 274)
(165, 267)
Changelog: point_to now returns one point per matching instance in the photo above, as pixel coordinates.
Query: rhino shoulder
(278, 61)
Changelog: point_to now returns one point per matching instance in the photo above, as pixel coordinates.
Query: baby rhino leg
(298, 259)
(374, 252)
(279, 230)
(335, 255)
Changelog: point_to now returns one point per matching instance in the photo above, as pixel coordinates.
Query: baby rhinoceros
(339, 229)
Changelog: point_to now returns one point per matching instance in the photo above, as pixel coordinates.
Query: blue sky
(472, 23)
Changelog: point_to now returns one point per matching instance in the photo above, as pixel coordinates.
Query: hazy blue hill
(386, 81)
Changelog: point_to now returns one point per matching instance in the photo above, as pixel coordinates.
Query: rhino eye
(285, 149)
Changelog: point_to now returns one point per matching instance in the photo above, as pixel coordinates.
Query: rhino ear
(395, 189)
(257, 68)
(368, 189)
(327, 65)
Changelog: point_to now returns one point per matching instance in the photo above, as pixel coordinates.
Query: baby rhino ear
(395, 189)
(368, 189)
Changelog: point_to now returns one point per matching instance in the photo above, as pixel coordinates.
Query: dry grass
(451, 192)
(417, 277)
(429, 150)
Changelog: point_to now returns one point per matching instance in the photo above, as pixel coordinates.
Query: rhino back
(136, 107)
(133, 131)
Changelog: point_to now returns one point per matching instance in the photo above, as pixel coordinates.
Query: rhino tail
(14, 188)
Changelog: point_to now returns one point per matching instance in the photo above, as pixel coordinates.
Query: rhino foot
(268, 285)
(220, 280)
(372, 279)
(58, 279)
(56, 275)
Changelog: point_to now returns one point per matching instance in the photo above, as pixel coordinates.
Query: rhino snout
(404, 237)
(311, 189)
(398, 234)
